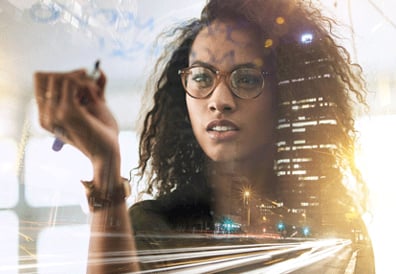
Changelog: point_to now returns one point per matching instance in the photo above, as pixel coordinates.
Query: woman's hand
(72, 106)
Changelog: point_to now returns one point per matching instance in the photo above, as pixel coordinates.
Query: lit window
(328, 122)
(302, 160)
(8, 173)
(298, 129)
(53, 178)
(305, 124)
(306, 38)
(55, 251)
(283, 161)
(129, 146)
(299, 172)
(283, 126)
(309, 178)
(9, 242)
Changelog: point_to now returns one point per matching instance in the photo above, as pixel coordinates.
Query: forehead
(226, 43)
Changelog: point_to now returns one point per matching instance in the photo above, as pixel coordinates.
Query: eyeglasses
(200, 81)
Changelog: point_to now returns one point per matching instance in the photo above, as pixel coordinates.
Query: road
(208, 253)
(280, 256)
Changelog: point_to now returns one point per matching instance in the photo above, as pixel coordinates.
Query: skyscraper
(309, 179)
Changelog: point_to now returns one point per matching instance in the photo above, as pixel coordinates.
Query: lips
(222, 131)
(221, 126)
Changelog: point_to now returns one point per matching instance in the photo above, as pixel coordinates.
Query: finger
(53, 98)
(68, 111)
(74, 97)
(55, 106)
(40, 85)
(86, 92)
(91, 88)
(49, 88)
(44, 86)
(62, 112)
(59, 139)
(72, 124)
(41, 80)
(51, 94)
(98, 79)
(101, 82)
(69, 95)
(78, 73)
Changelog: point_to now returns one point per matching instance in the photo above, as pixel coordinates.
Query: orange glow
(280, 20)
(375, 158)
(268, 43)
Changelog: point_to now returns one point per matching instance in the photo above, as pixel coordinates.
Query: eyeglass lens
(200, 81)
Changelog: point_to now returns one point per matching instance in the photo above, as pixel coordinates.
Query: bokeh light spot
(280, 20)
(268, 43)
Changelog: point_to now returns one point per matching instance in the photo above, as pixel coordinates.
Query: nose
(222, 99)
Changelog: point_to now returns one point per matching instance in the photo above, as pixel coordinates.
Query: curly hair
(168, 149)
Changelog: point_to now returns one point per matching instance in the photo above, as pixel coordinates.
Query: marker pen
(95, 74)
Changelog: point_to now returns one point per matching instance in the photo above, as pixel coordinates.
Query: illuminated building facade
(308, 175)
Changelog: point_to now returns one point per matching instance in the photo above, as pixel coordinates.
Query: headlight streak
(215, 265)
(278, 257)
(202, 252)
(305, 259)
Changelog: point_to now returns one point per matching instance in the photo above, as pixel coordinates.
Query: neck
(232, 180)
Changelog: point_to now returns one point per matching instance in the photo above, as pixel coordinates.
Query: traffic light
(281, 226)
(229, 226)
(306, 231)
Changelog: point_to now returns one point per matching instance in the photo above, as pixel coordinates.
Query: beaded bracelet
(97, 200)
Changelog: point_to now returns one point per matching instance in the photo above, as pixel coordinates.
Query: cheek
(193, 113)
(189, 105)
(264, 118)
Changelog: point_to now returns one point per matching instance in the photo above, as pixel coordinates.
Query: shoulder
(148, 216)
(178, 209)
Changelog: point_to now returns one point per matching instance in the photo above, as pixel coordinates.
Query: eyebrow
(243, 65)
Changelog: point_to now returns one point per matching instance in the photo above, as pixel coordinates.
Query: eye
(201, 78)
(247, 79)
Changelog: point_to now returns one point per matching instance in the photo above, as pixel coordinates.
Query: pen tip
(57, 145)
(97, 63)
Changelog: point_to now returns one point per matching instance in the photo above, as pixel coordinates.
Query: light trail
(249, 258)
(223, 260)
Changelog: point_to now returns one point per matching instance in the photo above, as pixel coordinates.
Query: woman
(221, 105)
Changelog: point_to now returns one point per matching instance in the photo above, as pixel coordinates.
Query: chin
(224, 157)
(247, 156)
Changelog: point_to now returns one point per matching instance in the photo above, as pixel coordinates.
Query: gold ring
(47, 95)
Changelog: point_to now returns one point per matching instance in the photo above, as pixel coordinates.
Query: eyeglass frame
(219, 74)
